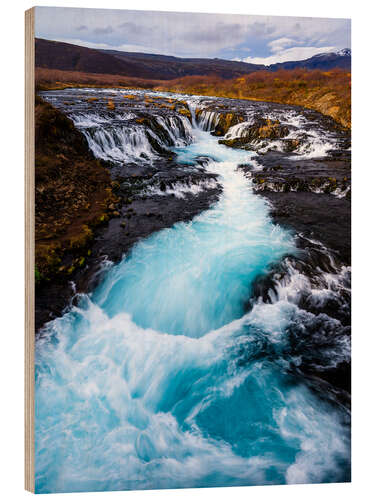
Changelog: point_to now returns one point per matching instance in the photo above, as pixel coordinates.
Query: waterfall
(179, 129)
(120, 143)
(312, 142)
(116, 138)
(192, 105)
(208, 120)
(239, 130)
(172, 373)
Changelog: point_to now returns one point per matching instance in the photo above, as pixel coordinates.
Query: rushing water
(163, 377)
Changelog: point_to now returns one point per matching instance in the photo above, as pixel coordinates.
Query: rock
(259, 134)
(111, 105)
(184, 112)
(291, 145)
(226, 121)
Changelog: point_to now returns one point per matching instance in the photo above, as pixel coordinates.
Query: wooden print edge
(29, 248)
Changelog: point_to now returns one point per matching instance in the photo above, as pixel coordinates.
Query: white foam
(181, 189)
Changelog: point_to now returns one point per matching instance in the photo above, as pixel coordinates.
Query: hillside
(328, 92)
(171, 65)
(52, 79)
(72, 193)
(326, 61)
(68, 57)
(321, 82)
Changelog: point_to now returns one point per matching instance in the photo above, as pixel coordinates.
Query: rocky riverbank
(308, 186)
(90, 211)
(327, 92)
(302, 167)
(307, 181)
(310, 196)
(73, 197)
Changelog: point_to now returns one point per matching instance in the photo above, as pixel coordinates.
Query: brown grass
(72, 194)
(325, 91)
(50, 79)
(111, 104)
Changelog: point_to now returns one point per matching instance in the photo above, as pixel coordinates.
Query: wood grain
(29, 248)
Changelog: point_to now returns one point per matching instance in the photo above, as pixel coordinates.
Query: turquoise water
(162, 378)
(196, 277)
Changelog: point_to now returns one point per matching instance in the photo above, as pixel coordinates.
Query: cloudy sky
(254, 39)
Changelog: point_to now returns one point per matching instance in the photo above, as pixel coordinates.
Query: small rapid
(195, 277)
(119, 141)
(166, 376)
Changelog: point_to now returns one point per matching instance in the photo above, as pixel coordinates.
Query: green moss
(38, 276)
(103, 218)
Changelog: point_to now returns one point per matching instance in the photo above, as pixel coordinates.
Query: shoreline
(125, 219)
(133, 218)
(295, 103)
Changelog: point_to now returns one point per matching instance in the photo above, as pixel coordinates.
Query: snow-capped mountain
(326, 60)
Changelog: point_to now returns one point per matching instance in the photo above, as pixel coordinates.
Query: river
(166, 376)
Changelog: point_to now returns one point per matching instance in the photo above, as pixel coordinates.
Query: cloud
(290, 54)
(136, 30)
(191, 34)
(103, 31)
(280, 44)
(220, 33)
(105, 46)
(261, 29)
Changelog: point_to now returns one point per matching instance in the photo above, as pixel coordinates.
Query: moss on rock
(72, 193)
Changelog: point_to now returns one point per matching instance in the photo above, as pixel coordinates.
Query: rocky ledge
(73, 195)
(310, 196)
(89, 212)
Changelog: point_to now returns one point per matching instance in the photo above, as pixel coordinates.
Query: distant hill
(325, 61)
(67, 57)
(170, 67)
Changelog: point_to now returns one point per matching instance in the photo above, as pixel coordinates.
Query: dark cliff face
(72, 190)
(83, 217)
(55, 133)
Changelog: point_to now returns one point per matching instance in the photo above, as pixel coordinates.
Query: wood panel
(29, 248)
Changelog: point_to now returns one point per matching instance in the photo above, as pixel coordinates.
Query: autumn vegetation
(325, 91)
(328, 92)
(73, 194)
(50, 79)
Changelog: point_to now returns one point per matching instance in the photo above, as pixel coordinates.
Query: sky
(253, 39)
